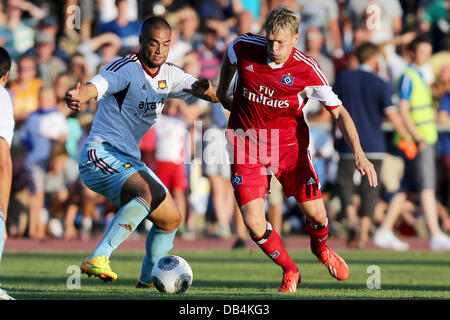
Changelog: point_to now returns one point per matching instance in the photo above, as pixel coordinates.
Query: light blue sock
(2, 234)
(124, 223)
(157, 245)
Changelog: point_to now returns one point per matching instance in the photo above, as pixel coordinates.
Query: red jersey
(271, 96)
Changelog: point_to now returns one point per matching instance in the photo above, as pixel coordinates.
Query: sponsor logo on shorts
(127, 165)
(236, 180)
(311, 181)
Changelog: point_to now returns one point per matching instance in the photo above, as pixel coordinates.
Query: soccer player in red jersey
(267, 131)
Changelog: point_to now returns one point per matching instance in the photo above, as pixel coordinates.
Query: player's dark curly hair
(5, 61)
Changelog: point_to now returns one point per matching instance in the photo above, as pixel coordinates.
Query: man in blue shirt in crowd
(127, 30)
(368, 99)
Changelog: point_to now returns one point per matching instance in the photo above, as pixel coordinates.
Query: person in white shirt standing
(131, 92)
(6, 135)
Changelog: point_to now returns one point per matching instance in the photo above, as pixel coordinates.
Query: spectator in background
(25, 90)
(62, 85)
(368, 99)
(314, 45)
(444, 143)
(49, 26)
(321, 139)
(49, 65)
(43, 126)
(128, 30)
(61, 174)
(416, 109)
(78, 69)
(170, 154)
(211, 53)
(223, 12)
(323, 15)
(439, 63)
(434, 19)
(21, 191)
(100, 50)
(15, 36)
(383, 18)
(108, 10)
(245, 24)
(216, 167)
(259, 10)
(179, 48)
(189, 27)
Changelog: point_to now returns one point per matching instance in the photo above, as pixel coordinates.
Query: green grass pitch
(231, 274)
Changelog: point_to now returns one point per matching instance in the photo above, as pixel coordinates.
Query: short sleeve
(405, 87)
(182, 80)
(323, 94)
(386, 96)
(109, 82)
(231, 52)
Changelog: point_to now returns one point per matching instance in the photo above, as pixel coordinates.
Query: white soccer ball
(172, 274)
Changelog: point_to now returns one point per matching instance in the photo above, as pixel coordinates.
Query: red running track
(204, 243)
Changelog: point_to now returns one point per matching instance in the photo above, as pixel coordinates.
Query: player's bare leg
(317, 228)
(269, 241)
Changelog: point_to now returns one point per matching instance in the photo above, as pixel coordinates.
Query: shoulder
(121, 65)
(310, 66)
(174, 72)
(249, 40)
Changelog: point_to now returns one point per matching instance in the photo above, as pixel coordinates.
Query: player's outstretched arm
(350, 134)
(203, 89)
(80, 94)
(227, 71)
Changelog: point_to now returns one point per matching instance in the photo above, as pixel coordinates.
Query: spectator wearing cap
(49, 25)
(49, 64)
(128, 30)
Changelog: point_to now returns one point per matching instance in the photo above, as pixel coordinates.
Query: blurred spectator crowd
(55, 44)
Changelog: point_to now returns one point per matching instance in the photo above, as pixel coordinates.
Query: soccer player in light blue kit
(6, 135)
(131, 92)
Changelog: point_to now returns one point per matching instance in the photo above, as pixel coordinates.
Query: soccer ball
(172, 274)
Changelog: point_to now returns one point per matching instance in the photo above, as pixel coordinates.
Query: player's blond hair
(282, 18)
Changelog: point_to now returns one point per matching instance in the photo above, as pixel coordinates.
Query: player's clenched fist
(73, 98)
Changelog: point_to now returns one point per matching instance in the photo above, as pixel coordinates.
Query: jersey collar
(147, 70)
(273, 65)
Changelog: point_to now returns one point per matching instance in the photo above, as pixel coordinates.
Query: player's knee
(318, 216)
(170, 224)
(255, 222)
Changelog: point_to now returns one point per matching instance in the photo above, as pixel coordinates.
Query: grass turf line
(245, 274)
